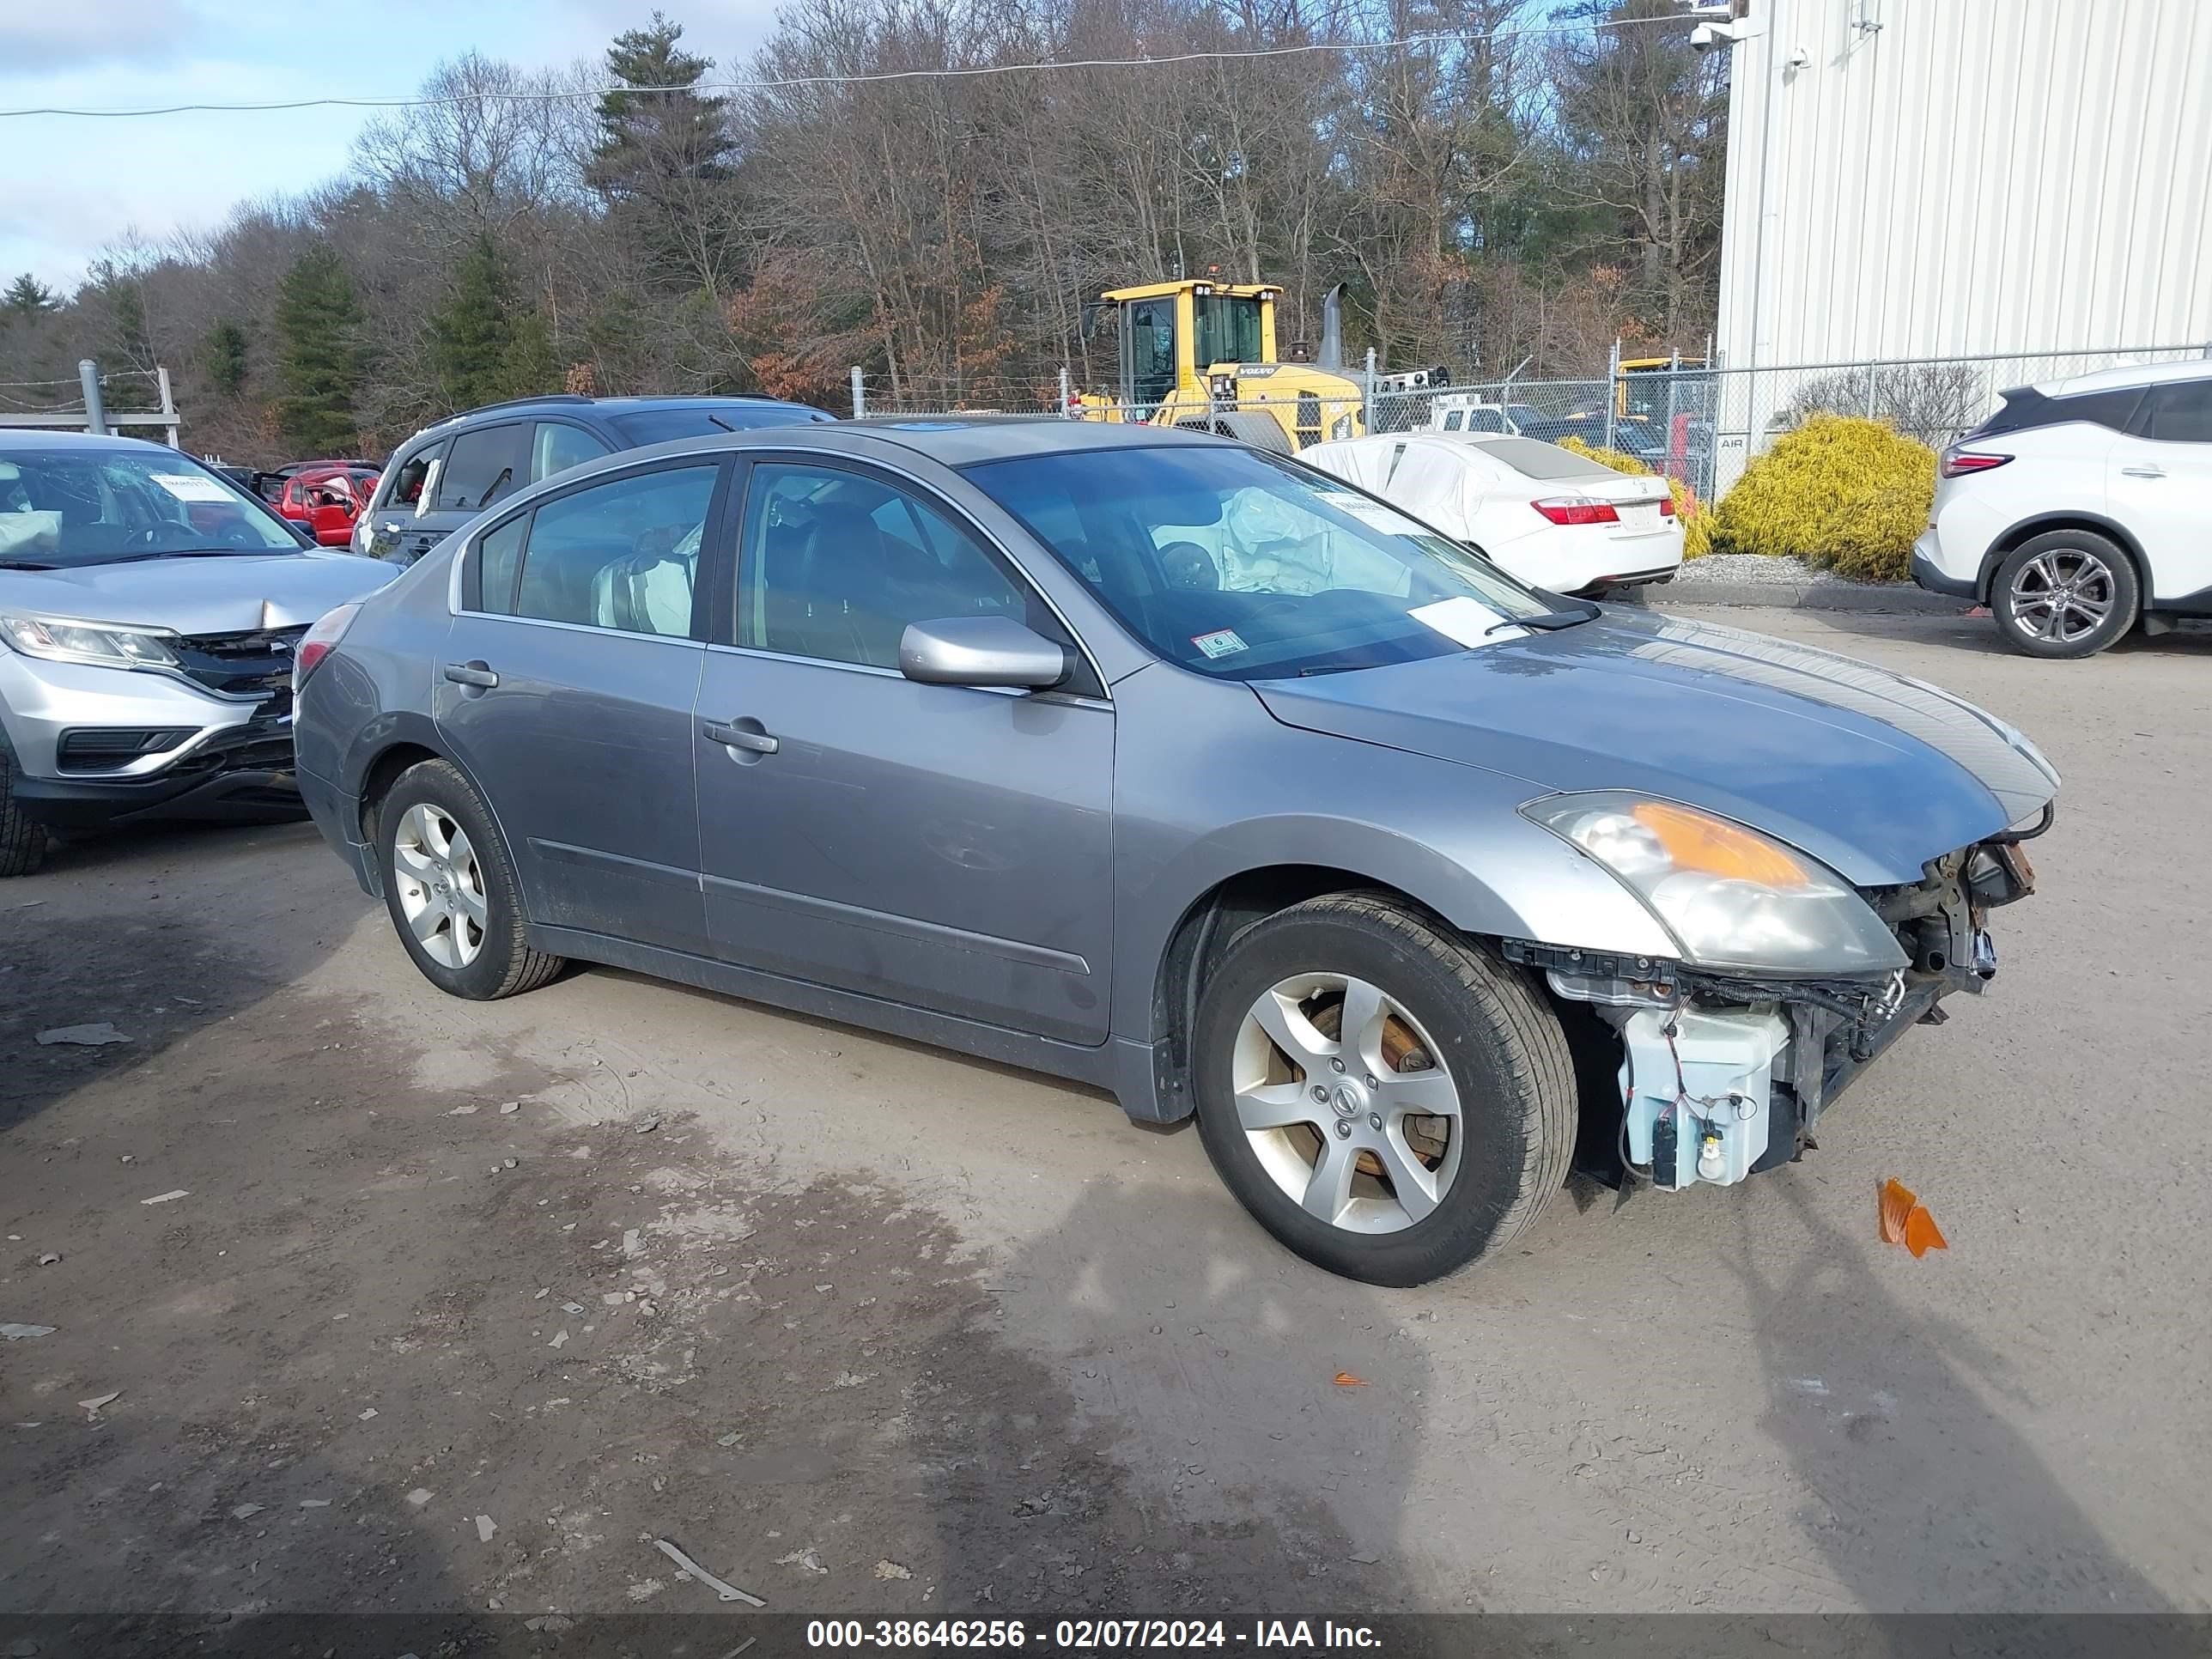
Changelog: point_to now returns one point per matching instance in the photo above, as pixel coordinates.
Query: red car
(327, 499)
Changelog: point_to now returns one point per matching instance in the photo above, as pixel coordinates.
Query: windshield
(656, 426)
(66, 507)
(1235, 564)
(1228, 330)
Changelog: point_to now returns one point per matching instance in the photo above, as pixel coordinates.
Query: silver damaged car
(148, 608)
(1139, 758)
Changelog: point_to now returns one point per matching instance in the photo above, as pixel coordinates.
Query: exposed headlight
(1340, 428)
(1731, 897)
(98, 643)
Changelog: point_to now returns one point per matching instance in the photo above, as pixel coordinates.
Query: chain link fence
(1698, 425)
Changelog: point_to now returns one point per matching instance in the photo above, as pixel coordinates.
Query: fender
(2035, 523)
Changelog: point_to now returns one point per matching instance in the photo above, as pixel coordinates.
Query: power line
(1439, 37)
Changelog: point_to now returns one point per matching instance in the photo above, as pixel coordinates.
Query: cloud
(35, 37)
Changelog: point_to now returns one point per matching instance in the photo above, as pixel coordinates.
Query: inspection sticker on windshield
(1373, 515)
(1466, 622)
(1222, 642)
(192, 487)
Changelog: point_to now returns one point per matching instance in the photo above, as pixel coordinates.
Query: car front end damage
(1719, 1074)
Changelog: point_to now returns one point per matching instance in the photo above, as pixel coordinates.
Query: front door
(943, 847)
(2159, 481)
(566, 688)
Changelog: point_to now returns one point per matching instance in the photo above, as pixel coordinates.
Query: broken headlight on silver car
(1732, 898)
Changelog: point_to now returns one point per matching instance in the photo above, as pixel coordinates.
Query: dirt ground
(403, 1303)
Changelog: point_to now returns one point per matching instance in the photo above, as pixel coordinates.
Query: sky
(70, 188)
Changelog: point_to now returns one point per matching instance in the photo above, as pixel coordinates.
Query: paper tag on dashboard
(1466, 622)
(1222, 642)
(194, 487)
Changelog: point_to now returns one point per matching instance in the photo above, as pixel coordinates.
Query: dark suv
(446, 474)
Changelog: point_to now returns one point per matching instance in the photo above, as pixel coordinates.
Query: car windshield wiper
(26, 564)
(191, 553)
(1547, 622)
(719, 421)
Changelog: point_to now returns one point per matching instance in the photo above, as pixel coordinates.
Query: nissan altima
(1140, 757)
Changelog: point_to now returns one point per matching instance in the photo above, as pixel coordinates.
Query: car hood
(1870, 772)
(233, 594)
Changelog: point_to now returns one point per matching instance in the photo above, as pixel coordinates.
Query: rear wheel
(451, 889)
(1384, 1099)
(22, 839)
(2065, 593)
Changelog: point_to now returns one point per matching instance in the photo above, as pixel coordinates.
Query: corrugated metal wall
(1974, 175)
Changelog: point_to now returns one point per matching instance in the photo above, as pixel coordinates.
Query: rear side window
(2179, 412)
(1535, 459)
(409, 477)
(621, 555)
(486, 464)
(2025, 409)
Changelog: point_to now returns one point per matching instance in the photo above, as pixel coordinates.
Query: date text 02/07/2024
(1083, 1635)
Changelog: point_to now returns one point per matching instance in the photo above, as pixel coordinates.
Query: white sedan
(1547, 516)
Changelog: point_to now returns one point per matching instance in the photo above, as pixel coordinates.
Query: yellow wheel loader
(1201, 354)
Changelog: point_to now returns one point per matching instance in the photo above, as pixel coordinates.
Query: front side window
(835, 565)
(2179, 412)
(622, 555)
(559, 447)
(485, 465)
(61, 509)
(1235, 564)
(411, 477)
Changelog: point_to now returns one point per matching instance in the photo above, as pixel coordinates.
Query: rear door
(2159, 480)
(566, 688)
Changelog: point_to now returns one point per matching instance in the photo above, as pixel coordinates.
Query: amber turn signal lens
(1905, 1220)
(1695, 842)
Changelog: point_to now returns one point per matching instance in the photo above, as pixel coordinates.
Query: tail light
(1577, 509)
(1958, 463)
(317, 643)
(1667, 507)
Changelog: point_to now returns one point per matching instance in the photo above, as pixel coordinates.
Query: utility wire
(1438, 37)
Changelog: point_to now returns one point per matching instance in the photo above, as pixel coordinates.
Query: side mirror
(981, 651)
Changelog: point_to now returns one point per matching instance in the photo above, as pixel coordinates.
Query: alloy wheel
(1340, 1092)
(2064, 594)
(440, 885)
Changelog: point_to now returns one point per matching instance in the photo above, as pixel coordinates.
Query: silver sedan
(1143, 758)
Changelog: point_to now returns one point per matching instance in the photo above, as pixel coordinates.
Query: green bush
(1697, 522)
(1840, 492)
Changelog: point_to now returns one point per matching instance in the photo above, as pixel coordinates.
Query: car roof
(2187, 368)
(957, 440)
(564, 403)
(37, 438)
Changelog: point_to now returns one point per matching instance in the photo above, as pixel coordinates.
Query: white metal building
(1940, 178)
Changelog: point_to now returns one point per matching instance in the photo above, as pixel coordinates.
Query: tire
(22, 840)
(478, 950)
(1493, 1044)
(2092, 591)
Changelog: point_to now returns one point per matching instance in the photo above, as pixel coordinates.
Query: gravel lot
(868, 1328)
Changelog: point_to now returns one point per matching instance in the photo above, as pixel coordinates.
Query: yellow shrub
(1838, 491)
(1697, 523)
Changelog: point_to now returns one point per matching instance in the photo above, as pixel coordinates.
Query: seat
(647, 592)
(823, 587)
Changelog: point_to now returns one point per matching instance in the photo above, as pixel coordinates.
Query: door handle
(471, 673)
(736, 737)
(2143, 471)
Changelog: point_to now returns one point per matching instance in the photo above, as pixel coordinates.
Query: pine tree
(27, 297)
(489, 346)
(222, 354)
(663, 161)
(321, 363)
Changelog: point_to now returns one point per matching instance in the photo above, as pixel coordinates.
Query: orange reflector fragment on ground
(1905, 1220)
(1347, 1380)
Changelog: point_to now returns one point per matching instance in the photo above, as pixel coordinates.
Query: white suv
(2081, 508)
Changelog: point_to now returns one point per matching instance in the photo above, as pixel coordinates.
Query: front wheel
(22, 839)
(2065, 593)
(450, 888)
(1385, 1099)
